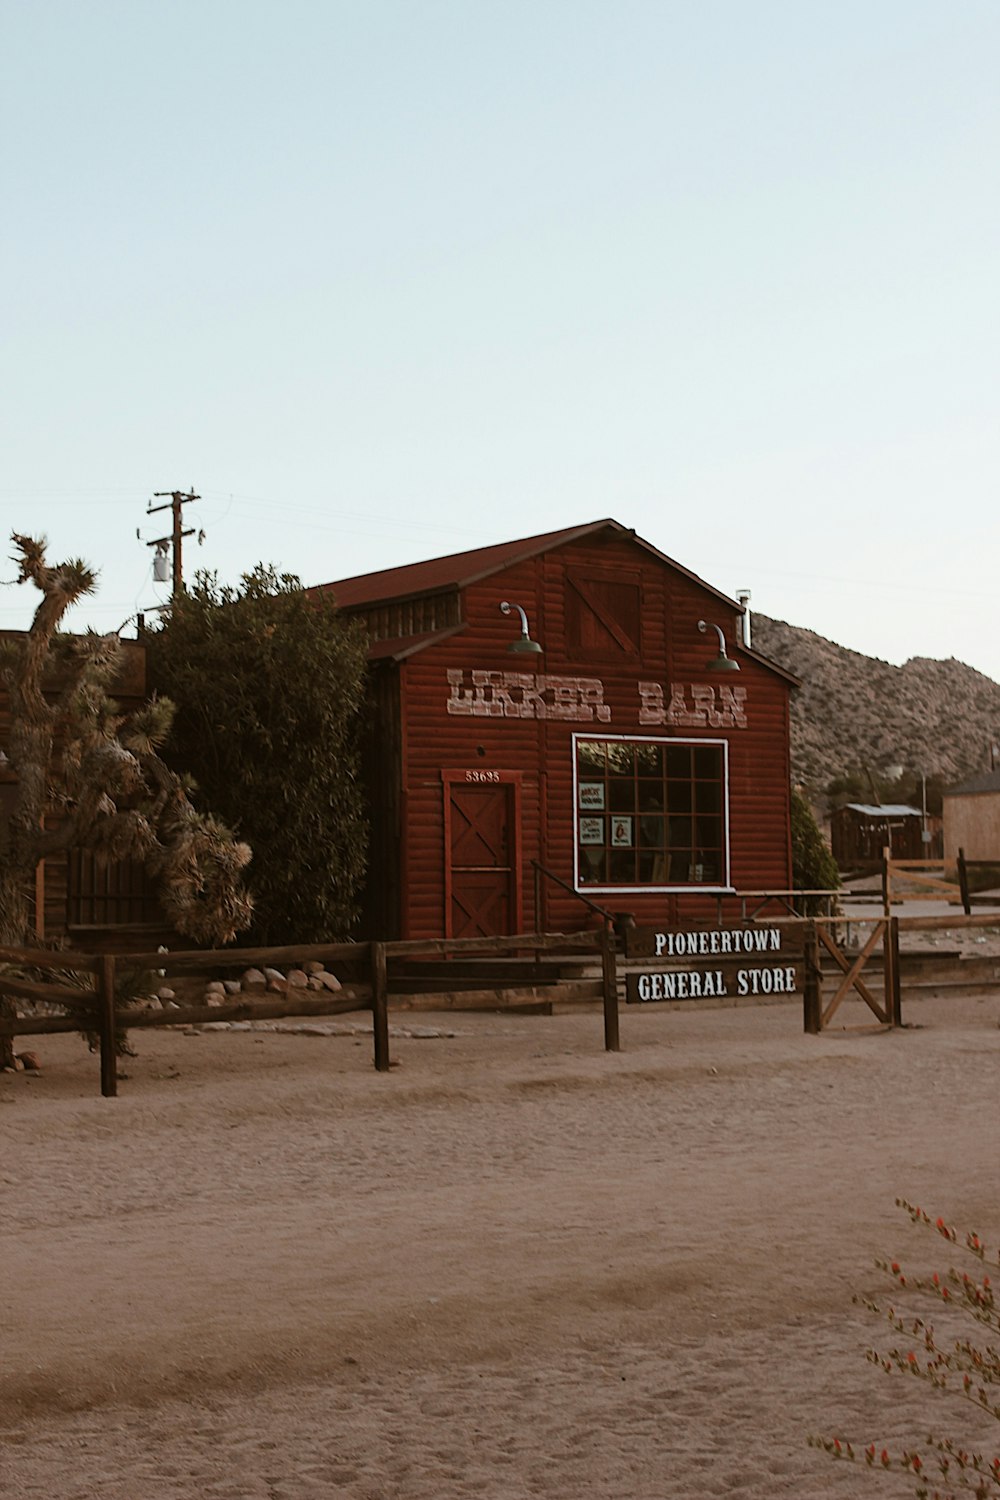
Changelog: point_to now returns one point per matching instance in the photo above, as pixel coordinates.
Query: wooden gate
(482, 854)
(821, 1002)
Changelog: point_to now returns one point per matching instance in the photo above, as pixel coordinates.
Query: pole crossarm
(176, 502)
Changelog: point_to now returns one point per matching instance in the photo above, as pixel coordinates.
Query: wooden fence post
(888, 982)
(812, 1015)
(963, 883)
(107, 1026)
(609, 979)
(894, 998)
(886, 882)
(380, 1007)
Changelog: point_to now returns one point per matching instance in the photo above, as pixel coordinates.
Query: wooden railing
(99, 1008)
(542, 871)
(970, 898)
(936, 879)
(89, 990)
(89, 995)
(790, 901)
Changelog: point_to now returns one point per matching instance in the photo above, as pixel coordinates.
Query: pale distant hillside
(853, 711)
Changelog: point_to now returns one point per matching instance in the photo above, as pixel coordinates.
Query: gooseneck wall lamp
(722, 662)
(524, 641)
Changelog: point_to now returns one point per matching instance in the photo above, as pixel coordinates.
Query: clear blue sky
(384, 280)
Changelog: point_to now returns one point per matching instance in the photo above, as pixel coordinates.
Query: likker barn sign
(483, 694)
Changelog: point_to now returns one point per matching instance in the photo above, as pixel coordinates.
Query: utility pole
(177, 500)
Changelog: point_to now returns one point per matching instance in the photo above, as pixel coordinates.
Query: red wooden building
(617, 759)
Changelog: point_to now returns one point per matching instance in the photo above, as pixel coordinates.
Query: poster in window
(621, 833)
(592, 794)
(591, 830)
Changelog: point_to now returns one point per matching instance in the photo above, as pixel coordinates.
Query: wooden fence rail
(370, 965)
(371, 960)
(935, 879)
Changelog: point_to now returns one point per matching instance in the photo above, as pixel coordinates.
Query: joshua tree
(89, 777)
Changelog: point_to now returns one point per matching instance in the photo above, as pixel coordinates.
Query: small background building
(614, 763)
(972, 818)
(860, 831)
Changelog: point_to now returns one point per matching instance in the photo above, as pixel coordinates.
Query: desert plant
(962, 1366)
(90, 777)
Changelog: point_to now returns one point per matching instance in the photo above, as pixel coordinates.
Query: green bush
(268, 683)
(813, 866)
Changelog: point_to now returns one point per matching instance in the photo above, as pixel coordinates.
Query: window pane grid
(650, 813)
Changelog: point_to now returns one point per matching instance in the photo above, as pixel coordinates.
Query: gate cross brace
(852, 971)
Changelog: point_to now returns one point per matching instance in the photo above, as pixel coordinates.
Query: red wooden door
(482, 850)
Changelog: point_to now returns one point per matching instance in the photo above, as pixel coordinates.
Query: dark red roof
(408, 645)
(459, 569)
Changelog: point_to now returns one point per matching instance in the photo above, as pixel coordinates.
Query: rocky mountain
(854, 712)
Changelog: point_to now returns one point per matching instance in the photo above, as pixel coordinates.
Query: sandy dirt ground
(514, 1266)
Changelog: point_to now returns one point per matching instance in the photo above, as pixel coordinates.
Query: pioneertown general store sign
(713, 963)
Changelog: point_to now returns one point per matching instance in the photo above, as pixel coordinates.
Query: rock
(215, 987)
(231, 987)
(30, 1061)
(253, 979)
(18, 1063)
(314, 983)
(213, 997)
(274, 976)
(313, 967)
(297, 979)
(164, 994)
(328, 981)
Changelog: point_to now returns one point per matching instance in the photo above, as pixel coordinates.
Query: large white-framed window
(651, 814)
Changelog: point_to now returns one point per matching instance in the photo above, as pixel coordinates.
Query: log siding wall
(673, 651)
